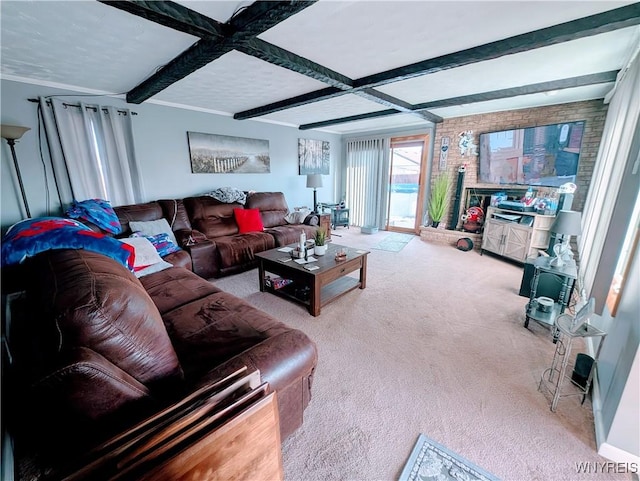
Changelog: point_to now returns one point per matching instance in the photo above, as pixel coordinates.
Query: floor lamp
(11, 133)
(313, 182)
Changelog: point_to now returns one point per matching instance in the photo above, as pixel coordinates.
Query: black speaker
(582, 369)
(527, 277)
(456, 201)
(549, 284)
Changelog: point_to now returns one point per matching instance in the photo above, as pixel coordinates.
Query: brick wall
(593, 112)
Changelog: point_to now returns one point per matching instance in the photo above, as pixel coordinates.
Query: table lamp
(566, 224)
(11, 133)
(313, 182)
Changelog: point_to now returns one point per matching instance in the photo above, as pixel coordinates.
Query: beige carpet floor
(435, 344)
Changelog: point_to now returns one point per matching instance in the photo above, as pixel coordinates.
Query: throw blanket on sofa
(97, 211)
(29, 237)
(228, 195)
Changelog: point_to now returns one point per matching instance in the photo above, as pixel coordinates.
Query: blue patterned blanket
(97, 211)
(32, 236)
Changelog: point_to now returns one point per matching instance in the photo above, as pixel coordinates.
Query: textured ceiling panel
(365, 37)
(237, 82)
(342, 106)
(84, 44)
(521, 102)
(399, 120)
(541, 65)
(590, 92)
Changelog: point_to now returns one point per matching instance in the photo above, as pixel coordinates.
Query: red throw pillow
(248, 220)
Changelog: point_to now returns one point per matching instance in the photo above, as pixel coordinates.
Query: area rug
(432, 461)
(394, 242)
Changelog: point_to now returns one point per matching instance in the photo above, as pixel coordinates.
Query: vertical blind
(367, 179)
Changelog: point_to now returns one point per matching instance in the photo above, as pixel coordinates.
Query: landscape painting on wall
(313, 156)
(223, 154)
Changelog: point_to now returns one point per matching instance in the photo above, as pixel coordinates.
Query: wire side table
(553, 378)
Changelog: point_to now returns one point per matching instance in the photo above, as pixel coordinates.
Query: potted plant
(439, 198)
(320, 240)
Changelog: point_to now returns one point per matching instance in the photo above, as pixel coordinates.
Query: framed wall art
(223, 154)
(313, 156)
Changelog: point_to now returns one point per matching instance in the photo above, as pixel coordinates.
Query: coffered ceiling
(340, 66)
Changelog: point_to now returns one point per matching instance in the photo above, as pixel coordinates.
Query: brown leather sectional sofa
(207, 230)
(95, 349)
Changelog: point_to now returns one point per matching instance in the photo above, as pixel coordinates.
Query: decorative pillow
(147, 259)
(161, 242)
(248, 220)
(153, 227)
(297, 217)
(32, 236)
(146, 254)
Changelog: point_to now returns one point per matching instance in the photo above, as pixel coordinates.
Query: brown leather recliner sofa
(98, 349)
(232, 252)
(206, 228)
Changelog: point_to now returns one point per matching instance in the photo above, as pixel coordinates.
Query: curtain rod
(95, 109)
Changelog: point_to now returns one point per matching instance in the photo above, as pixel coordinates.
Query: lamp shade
(567, 222)
(314, 181)
(12, 132)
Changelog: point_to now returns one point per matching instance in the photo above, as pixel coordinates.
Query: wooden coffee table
(313, 288)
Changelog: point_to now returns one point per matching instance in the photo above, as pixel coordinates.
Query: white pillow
(297, 217)
(153, 227)
(147, 259)
(146, 254)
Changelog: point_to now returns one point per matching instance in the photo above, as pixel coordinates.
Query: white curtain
(92, 152)
(367, 180)
(620, 127)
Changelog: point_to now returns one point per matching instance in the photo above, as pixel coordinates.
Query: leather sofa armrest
(189, 237)
(183, 236)
(89, 384)
(203, 258)
(201, 250)
(180, 258)
(86, 397)
(287, 363)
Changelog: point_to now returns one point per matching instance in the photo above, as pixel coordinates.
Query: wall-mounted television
(546, 155)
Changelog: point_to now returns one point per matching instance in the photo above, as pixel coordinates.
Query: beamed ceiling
(340, 66)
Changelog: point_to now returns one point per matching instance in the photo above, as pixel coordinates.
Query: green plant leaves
(439, 197)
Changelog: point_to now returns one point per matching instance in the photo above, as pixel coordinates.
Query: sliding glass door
(406, 176)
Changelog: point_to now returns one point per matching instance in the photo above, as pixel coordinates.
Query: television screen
(546, 155)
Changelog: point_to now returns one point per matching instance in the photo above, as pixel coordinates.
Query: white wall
(162, 150)
(617, 414)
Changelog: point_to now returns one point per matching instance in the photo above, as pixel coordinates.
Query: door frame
(422, 178)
